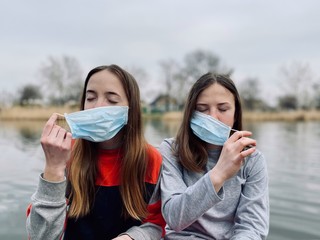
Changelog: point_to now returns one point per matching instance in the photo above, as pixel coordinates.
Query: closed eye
(113, 97)
(223, 107)
(202, 108)
(112, 101)
(90, 95)
(89, 99)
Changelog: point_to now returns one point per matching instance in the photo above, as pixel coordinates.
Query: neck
(213, 147)
(113, 143)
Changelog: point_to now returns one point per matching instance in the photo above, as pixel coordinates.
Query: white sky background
(255, 38)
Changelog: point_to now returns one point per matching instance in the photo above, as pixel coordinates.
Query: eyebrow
(112, 94)
(224, 103)
(106, 93)
(219, 104)
(208, 104)
(90, 91)
(201, 104)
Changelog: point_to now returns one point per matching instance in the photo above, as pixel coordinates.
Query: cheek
(228, 119)
(87, 105)
(229, 122)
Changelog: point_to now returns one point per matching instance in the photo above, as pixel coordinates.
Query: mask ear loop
(232, 131)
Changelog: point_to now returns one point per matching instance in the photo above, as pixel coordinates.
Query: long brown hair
(83, 166)
(191, 150)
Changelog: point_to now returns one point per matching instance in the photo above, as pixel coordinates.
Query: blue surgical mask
(97, 124)
(209, 129)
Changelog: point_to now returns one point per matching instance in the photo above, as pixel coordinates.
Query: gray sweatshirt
(193, 210)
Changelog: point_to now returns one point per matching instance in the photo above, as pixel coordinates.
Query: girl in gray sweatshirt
(214, 182)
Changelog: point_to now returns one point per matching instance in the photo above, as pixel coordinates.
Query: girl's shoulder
(167, 144)
(154, 164)
(255, 161)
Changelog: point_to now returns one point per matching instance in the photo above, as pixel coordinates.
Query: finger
(49, 125)
(65, 139)
(246, 153)
(239, 134)
(68, 137)
(55, 131)
(51, 139)
(246, 142)
(61, 134)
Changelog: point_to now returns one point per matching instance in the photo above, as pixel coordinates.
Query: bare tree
(197, 63)
(288, 102)
(178, 78)
(62, 78)
(316, 95)
(142, 78)
(169, 69)
(29, 94)
(249, 92)
(298, 81)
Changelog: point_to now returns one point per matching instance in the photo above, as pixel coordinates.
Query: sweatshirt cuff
(50, 191)
(217, 196)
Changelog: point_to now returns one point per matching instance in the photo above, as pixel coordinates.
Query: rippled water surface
(292, 151)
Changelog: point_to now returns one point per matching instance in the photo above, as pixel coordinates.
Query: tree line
(61, 82)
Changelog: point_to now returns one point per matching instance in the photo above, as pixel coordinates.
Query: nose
(213, 113)
(101, 103)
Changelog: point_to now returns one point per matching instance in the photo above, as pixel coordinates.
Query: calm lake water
(292, 151)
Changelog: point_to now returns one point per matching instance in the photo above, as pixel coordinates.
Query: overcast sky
(255, 38)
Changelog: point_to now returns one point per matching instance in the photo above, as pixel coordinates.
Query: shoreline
(299, 115)
(41, 114)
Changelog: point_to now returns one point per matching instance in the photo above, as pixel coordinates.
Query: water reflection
(157, 130)
(292, 154)
(291, 149)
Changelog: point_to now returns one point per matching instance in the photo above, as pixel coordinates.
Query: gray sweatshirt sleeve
(179, 200)
(146, 231)
(252, 215)
(48, 212)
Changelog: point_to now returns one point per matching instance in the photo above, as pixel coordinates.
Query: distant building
(164, 103)
(145, 107)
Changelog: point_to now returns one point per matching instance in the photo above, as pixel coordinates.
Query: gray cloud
(253, 37)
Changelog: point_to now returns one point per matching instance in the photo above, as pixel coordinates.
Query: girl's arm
(46, 215)
(183, 205)
(252, 216)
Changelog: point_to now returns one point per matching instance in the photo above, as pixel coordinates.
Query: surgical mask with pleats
(209, 129)
(97, 124)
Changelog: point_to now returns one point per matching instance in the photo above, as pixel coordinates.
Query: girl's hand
(123, 237)
(232, 157)
(56, 144)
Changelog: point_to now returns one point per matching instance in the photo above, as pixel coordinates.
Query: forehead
(215, 93)
(105, 81)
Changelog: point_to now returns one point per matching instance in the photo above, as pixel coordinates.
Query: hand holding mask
(211, 130)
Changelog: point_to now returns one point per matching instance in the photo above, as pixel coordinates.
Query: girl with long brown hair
(214, 182)
(103, 184)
